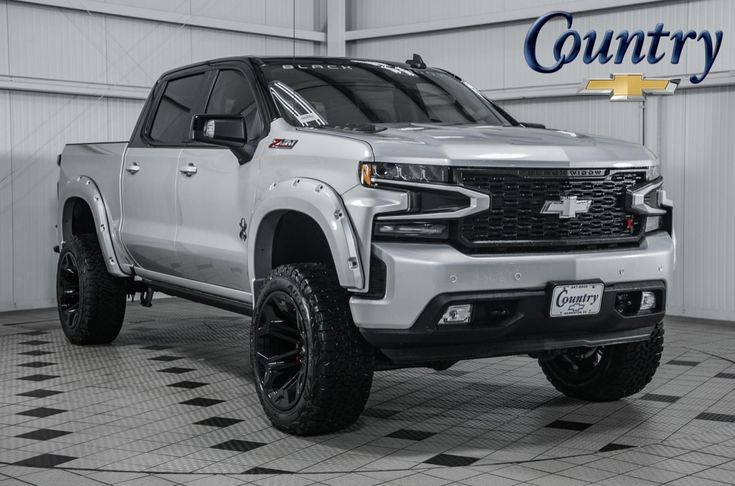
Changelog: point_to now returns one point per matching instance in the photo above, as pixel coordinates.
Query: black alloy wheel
(281, 357)
(312, 369)
(67, 288)
(90, 301)
(605, 373)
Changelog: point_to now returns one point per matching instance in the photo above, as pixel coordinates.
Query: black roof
(284, 59)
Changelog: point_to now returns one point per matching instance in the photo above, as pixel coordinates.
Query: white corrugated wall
(691, 131)
(88, 53)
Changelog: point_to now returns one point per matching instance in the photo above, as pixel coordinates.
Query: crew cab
(369, 215)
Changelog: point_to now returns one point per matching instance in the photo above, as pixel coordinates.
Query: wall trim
(81, 88)
(96, 6)
(501, 17)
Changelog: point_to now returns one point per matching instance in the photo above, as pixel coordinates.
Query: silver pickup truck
(369, 215)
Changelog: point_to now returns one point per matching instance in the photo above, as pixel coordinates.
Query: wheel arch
(82, 211)
(291, 219)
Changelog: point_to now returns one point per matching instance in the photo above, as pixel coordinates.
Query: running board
(220, 302)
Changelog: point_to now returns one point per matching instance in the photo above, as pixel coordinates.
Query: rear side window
(181, 98)
(233, 95)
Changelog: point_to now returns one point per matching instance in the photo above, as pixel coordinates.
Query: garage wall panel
(6, 206)
(121, 118)
(449, 50)
(672, 140)
(211, 44)
(55, 43)
(3, 38)
(250, 11)
(280, 13)
(596, 116)
(709, 238)
(381, 13)
(138, 52)
(179, 6)
(42, 124)
(275, 46)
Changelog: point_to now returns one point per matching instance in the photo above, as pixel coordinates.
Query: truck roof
(288, 59)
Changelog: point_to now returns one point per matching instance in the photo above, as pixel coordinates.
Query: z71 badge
(282, 143)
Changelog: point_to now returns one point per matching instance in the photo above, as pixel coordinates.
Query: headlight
(371, 173)
(399, 229)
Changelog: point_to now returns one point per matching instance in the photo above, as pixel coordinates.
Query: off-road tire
(624, 369)
(339, 362)
(101, 304)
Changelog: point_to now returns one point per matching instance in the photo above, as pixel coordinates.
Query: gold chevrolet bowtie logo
(629, 87)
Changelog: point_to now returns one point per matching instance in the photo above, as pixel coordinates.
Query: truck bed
(101, 162)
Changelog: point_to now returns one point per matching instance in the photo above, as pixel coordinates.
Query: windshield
(364, 93)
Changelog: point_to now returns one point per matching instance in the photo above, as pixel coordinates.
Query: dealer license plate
(576, 299)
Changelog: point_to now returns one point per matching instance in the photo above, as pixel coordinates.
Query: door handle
(133, 168)
(189, 170)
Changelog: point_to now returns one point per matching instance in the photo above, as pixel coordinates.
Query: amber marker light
(366, 174)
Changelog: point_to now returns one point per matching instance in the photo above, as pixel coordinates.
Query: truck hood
(500, 146)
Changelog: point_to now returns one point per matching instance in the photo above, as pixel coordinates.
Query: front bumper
(527, 329)
(419, 275)
(418, 272)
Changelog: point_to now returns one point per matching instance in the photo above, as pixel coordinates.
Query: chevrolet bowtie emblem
(629, 87)
(568, 207)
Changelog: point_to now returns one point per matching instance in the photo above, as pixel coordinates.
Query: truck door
(213, 197)
(150, 175)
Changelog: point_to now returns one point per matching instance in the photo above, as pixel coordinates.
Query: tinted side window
(181, 99)
(233, 95)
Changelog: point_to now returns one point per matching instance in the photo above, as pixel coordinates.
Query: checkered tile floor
(171, 402)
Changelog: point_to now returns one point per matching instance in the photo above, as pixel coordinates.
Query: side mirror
(223, 130)
(533, 125)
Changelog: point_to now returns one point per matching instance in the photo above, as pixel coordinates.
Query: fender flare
(84, 188)
(322, 204)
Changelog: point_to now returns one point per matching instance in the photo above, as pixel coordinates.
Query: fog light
(653, 223)
(648, 301)
(457, 314)
(627, 303)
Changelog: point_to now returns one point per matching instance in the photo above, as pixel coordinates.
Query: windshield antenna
(294, 28)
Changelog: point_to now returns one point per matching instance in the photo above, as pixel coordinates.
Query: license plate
(576, 299)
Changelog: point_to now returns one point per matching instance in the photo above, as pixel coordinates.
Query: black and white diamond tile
(40, 393)
(45, 460)
(176, 370)
(202, 402)
(190, 385)
(37, 364)
(43, 434)
(238, 445)
(166, 358)
(176, 397)
(36, 352)
(38, 377)
(218, 422)
(41, 412)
